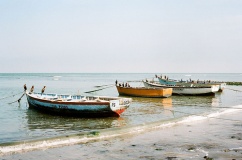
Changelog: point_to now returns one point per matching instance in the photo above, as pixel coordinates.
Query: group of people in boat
(197, 81)
(162, 77)
(32, 89)
(122, 85)
(188, 81)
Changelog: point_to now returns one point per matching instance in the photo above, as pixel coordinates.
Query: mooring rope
(18, 99)
(11, 95)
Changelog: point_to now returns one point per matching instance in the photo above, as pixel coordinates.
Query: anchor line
(10, 96)
(18, 99)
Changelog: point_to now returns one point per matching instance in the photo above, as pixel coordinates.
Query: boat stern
(167, 92)
(120, 105)
(222, 86)
(215, 88)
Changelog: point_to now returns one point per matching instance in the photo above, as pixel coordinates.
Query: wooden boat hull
(178, 90)
(188, 84)
(98, 107)
(144, 92)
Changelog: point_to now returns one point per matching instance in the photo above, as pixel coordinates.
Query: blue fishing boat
(78, 105)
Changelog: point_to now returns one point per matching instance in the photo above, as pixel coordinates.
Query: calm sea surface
(20, 124)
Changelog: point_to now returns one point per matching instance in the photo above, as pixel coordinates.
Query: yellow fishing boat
(144, 91)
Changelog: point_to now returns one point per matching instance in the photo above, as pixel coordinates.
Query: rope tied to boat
(10, 96)
(18, 99)
(25, 89)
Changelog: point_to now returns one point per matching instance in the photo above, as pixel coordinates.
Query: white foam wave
(203, 151)
(211, 115)
(192, 119)
(56, 78)
(236, 149)
(34, 145)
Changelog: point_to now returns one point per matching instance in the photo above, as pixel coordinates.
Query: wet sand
(217, 138)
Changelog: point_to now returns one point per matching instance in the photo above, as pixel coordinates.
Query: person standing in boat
(32, 89)
(25, 87)
(43, 90)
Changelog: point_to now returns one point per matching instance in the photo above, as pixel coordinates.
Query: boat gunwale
(88, 102)
(147, 88)
(195, 83)
(176, 86)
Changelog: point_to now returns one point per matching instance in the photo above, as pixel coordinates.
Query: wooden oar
(99, 89)
(104, 85)
(135, 81)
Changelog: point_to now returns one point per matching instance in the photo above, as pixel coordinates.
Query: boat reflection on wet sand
(172, 105)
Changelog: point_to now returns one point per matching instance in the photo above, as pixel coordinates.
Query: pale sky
(121, 36)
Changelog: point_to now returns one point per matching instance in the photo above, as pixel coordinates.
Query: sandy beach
(199, 139)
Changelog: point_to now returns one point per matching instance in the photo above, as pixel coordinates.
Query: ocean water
(21, 125)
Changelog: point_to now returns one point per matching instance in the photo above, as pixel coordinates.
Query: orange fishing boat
(144, 92)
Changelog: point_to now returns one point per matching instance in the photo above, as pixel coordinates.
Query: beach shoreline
(178, 127)
(193, 140)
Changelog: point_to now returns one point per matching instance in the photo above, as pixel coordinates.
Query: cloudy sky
(121, 36)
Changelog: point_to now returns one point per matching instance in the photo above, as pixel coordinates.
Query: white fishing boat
(77, 105)
(185, 90)
(166, 81)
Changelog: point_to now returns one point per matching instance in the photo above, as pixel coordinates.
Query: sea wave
(89, 136)
(194, 118)
(56, 78)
